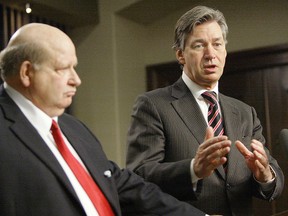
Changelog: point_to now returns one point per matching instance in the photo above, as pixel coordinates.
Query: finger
(261, 158)
(243, 150)
(260, 166)
(209, 133)
(218, 157)
(224, 151)
(258, 156)
(217, 150)
(220, 152)
(216, 143)
(259, 152)
(258, 146)
(219, 161)
(265, 173)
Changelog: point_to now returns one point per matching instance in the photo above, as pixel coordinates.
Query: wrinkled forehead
(61, 54)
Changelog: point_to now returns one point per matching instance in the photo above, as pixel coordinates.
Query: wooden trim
(257, 58)
(161, 75)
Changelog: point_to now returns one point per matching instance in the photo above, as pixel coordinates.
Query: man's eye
(198, 46)
(219, 46)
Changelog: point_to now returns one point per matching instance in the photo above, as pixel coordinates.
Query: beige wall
(113, 55)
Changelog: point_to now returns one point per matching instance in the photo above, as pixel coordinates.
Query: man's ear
(180, 57)
(26, 70)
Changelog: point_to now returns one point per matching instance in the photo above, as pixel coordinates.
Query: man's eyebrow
(218, 38)
(199, 40)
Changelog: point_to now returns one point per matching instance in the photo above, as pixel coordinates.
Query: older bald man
(50, 163)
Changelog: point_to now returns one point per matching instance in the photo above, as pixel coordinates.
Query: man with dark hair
(196, 143)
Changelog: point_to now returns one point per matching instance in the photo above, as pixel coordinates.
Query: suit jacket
(166, 130)
(33, 183)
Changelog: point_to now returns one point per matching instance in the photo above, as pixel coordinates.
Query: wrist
(268, 178)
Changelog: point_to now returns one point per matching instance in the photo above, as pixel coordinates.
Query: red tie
(88, 184)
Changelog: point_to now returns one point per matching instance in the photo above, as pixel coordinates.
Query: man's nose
(209, 52)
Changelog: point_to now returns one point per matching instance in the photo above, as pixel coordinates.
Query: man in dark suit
(38, 177)
(171, 142)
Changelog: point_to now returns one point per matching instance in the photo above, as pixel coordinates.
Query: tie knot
(210, 96)
(54, 125)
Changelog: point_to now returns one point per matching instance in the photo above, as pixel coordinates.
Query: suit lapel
(232, 126)
(95, 160)
(33, 141)
(29, 136)
(188, 110)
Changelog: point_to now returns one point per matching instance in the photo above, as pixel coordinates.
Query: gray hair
(194, 17)
(12, 57)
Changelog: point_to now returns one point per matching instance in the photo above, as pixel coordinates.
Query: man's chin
(67, 103)
(64, 107)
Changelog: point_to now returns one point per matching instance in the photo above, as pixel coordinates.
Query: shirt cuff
(267, 186)
(194, 177)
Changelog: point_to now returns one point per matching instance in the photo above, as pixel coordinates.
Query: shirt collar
(195, 89)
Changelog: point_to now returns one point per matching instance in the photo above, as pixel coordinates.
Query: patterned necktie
(214, 116)
(86, 181)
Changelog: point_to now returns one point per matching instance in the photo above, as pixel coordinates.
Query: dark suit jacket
(32, 183)
(166, 130)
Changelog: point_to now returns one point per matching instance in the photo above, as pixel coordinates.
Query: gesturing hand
(256, 160)
(211, 154)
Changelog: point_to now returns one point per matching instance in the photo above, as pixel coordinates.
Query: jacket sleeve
(275, 191)
(146, 152)
(138, 197)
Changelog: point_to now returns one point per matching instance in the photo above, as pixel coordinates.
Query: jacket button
(228, 186)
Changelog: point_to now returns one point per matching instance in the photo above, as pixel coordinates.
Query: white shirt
(196, 91)
(42, 123)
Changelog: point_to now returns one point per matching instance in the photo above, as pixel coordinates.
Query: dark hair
(194, 17)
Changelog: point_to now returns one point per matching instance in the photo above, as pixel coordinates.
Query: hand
(211, 154)
(256, 160)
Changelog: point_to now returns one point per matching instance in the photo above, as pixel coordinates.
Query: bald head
(39, 62)
(38, 33)
(34, 42)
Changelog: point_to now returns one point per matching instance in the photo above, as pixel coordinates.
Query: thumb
(209, 133)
